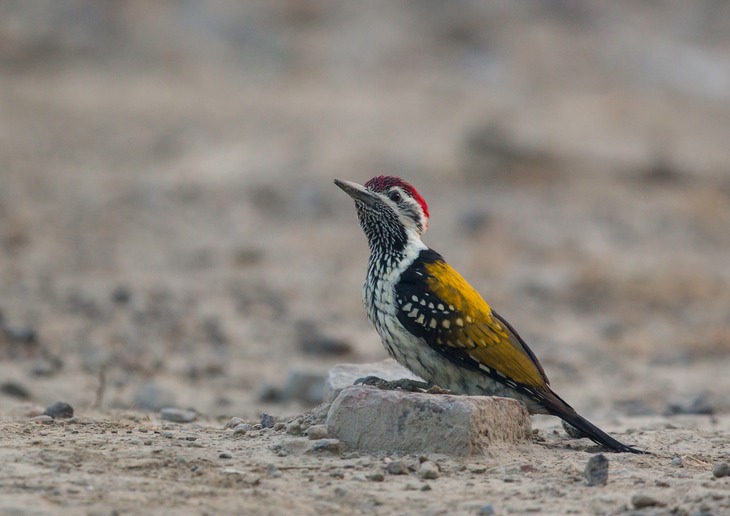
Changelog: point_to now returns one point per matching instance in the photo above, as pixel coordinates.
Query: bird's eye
(395, 197)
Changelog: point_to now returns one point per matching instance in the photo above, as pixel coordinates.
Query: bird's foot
(406, 384)
(435, 389)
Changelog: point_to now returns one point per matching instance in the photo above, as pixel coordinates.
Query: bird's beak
(358, 192)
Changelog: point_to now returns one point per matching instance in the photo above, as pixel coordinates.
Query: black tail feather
(557, 407)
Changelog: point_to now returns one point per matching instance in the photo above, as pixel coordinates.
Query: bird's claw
(373, 381)
(405, 384)
(435, 389)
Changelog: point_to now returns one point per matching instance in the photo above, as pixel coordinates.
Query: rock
(596, 471)
(344, 375)
(697, 405)
(375, 477)
(279, 426)
(641, 500)
(294, 428)
(721, 469)
(225, 455)
(267, 421)
(325, 446)
(315, 432)
(634, 407)
(268, 393)
(312, 341)
(272, 471)
(241, 429)
(234, 422)
(60, 409)
(121, 295)
(177, 415)
(572, 431)
(474, 220)
(396, 467)
(46, 366)
(428, 470)
(304, 386)
(486, 510)
(150, 396)
(15, 390)
(43, 419)
(21, 334)
(372, 420)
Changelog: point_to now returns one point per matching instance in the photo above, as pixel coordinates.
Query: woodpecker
(433, 322)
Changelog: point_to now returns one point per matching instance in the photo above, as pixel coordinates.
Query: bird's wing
(436, 303)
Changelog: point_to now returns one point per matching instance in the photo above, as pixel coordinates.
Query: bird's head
(388, 200)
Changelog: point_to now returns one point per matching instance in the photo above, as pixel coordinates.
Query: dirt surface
(170, 236)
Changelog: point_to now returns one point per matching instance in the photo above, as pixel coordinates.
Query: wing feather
(453, 318)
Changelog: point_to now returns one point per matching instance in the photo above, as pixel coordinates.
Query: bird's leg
(406, 384)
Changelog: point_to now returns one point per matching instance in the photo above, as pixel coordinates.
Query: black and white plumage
(433, 322)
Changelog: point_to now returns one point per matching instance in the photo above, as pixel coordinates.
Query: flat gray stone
(372, 420)
(344, 375)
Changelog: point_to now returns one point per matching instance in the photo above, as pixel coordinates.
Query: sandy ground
(170, 236)
(130, 463)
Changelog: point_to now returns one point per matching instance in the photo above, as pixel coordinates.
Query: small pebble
(241, 429)
(376, 477)
(43, 418)
(267, 421)
(191, 438)
(721, 469)
(234, 422)
(428, 471)
(272, 471)
(596, 472)
(397, 468)
(294, 428)
(425, 487)
(572, 431)
(178, 415)
(326, 445)
(16, 390)
(486, 510)
(121, 295)
(316, 432)
(225, 455)
(279, 426)
(640, 501)
(677, 461)
(60, 409)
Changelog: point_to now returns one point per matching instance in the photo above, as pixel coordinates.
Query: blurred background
(170, 234)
